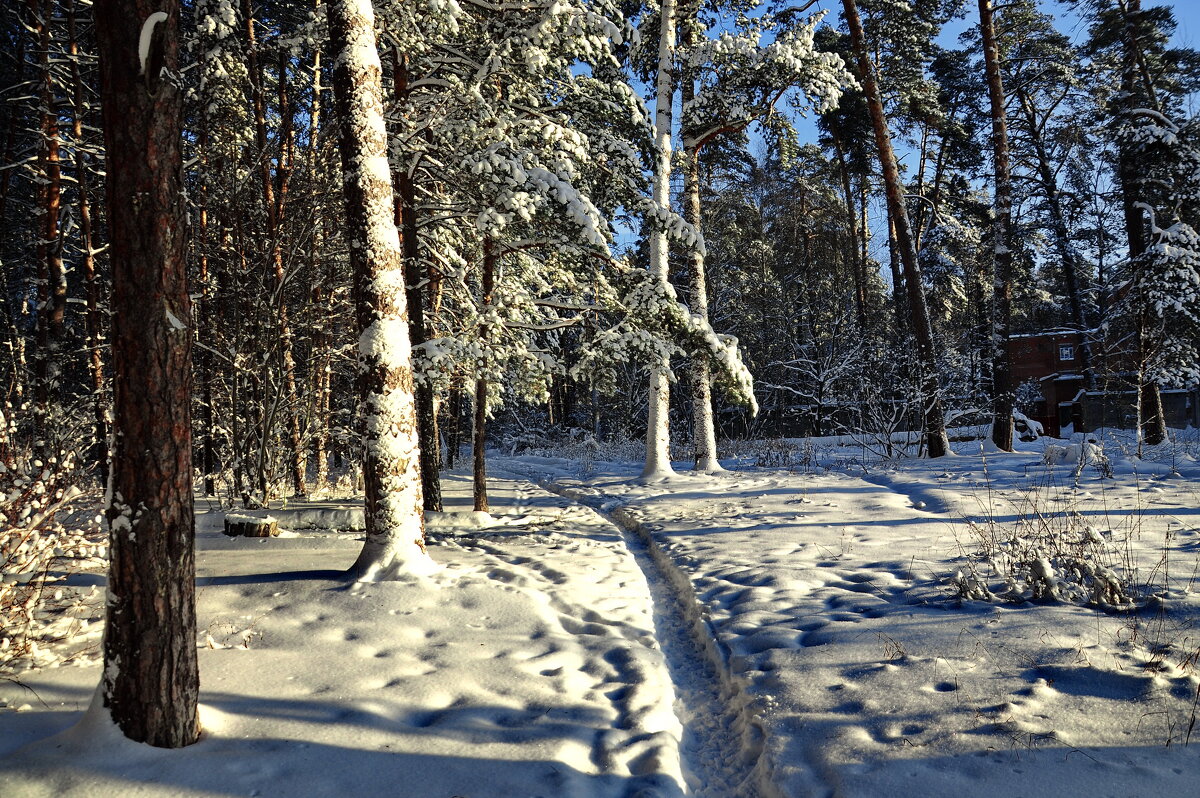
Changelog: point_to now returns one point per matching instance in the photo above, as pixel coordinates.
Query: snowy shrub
(1046, 557)
(48, 529)
(1088, 452)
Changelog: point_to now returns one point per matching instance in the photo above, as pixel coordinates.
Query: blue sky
(1188, 15)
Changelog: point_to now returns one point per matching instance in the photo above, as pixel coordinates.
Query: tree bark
(406, 221)
(479, 428)
(936, 442)
(151, 681)
(704, 434)
(395, 528)
(204, 326)
(1003, 390)
(853, 262)
(322, 294)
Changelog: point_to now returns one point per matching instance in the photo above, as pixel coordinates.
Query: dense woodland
(1051, 188)
(268, 245)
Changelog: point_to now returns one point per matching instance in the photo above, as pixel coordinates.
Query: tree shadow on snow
(369, 760)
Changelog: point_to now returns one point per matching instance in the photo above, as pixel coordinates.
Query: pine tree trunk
(1003, 390)
(479, 428)
(286, 336)
(936, 442)
(322, 295)
(151, 681)
(406, 221)
(853, 262)
(658, 421)
(1154, 420)
(395, 529)
(478, 447)
(204, 326)
(454, 409)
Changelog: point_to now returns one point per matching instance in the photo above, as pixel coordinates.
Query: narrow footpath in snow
(722, 743)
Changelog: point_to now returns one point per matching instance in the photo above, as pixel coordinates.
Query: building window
(1066, 352)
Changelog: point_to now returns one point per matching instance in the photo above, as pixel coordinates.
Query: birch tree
(658, 421)
(727, 84)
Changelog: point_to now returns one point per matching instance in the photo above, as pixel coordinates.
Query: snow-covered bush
(1046, 556)
(49, 528)
(1085, 453)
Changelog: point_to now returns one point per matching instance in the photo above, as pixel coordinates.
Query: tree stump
(251, 527)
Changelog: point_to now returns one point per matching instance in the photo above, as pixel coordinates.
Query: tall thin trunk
(151, 681)
(283, 175)
(936, 442)
(704, 434)
(204, 326)
(454, 409)
(95, 328)
(51, 281)
(479, 429)
(853, 262)
(238, 410)
(395, 533)
(322, 293)
(658, 427)
(478, 445)
(1003, 390)
(406, 221)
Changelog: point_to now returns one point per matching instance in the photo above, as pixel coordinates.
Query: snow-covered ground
(760, 632)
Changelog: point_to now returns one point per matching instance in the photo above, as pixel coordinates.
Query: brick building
(1052, 360)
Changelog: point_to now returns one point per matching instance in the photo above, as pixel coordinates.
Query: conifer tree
(151, 681)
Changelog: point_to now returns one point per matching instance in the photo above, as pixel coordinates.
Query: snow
(147, 37)
(530, 667)
(834, 628)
